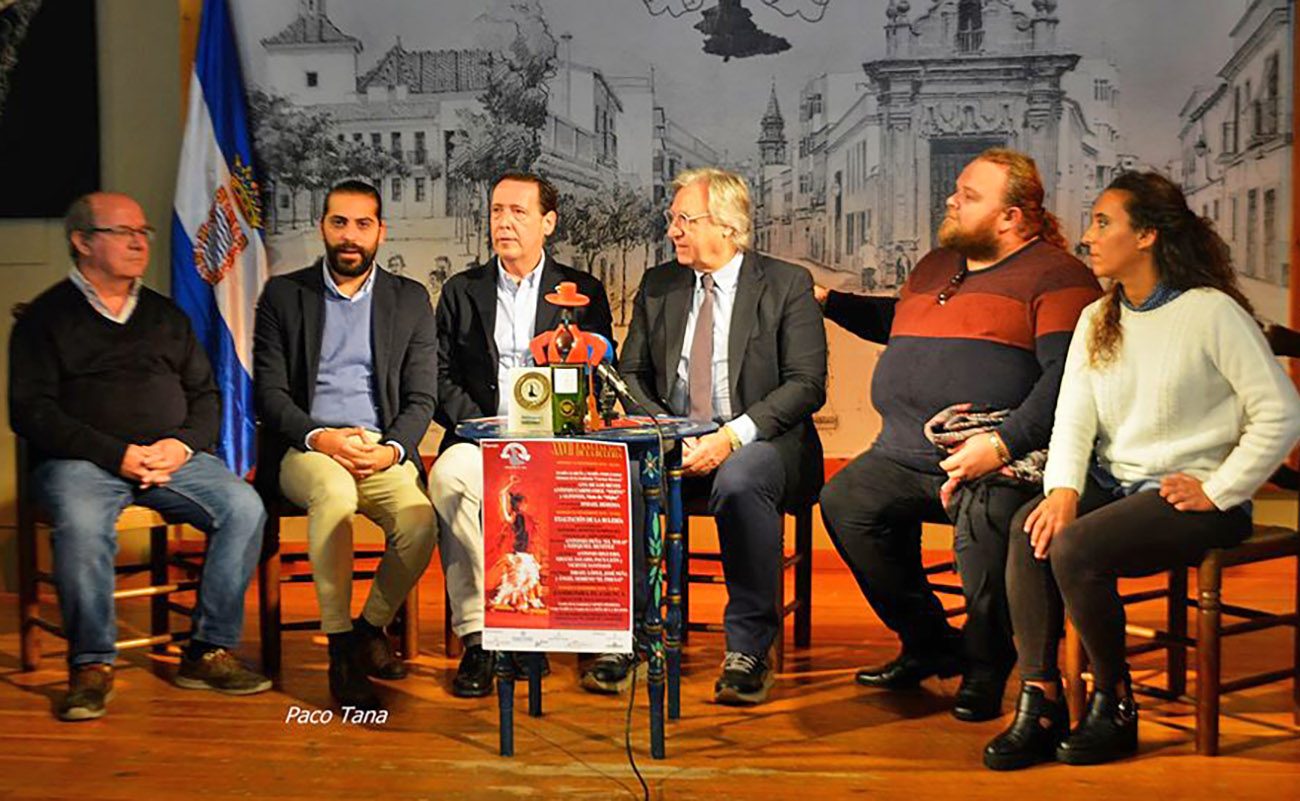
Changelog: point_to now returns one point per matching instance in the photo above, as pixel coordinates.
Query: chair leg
(158, 615)
(1176, 624)
(1295, 656)
(29, 602)
(686, 579)
(410, 638)
(779, 644)
(1209, 579)
(803, 533)
(268, 597)
(1075, 692)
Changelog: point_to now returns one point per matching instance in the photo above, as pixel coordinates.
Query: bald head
(108, 233)
(81, 214)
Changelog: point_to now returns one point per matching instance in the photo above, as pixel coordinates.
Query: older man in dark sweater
(985, 320)
(110, 387)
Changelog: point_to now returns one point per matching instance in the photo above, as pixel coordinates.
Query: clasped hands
(153, 465)
(351, 449)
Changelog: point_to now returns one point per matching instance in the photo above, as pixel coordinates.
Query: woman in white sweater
(1171, 414)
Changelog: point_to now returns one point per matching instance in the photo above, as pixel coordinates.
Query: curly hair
(1188, 252)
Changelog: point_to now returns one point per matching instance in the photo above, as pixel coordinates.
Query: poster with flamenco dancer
(557, 546)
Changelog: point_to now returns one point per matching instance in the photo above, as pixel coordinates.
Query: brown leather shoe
(90, 688)
(219, 670)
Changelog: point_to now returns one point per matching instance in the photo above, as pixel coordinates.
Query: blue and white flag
(218, 255)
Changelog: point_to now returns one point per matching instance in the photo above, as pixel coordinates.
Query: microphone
(610, 376)
(614, 381)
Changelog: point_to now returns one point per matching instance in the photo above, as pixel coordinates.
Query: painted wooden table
(660, 640)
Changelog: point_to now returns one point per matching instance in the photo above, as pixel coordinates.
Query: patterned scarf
(954, 425)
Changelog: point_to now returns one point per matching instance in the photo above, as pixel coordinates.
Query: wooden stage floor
(819, 737)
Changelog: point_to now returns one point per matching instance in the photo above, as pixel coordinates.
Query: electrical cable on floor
(627, 734)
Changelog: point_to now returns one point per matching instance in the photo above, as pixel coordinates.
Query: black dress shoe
(1108, 731)
(349, 686)
(376, 653)
(979, 697)
(474, 676)
(1038, 728)
(909, 670)
(609, 673)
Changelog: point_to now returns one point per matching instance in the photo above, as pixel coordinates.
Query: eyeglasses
(946, 294)
(124, 231)
(682, 219)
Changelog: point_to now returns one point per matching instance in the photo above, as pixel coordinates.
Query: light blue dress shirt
(725, 281)
(513, 330)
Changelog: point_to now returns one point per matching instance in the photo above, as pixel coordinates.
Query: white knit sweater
(1192, 389)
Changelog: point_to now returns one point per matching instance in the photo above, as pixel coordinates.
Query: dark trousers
(873, 510)
(1139, 535)
(744, 499)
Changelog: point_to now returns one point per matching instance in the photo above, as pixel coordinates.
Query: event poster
(557, 549)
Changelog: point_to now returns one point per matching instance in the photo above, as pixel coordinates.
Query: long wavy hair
(1188, 253)
(1025, 192)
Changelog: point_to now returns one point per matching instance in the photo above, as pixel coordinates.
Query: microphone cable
(611, 376)
(627, 734)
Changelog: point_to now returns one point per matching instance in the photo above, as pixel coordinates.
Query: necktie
(700, 372)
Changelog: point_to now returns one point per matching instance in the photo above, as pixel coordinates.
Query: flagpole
(191, 13)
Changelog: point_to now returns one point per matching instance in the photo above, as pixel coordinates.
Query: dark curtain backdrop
(49, 130)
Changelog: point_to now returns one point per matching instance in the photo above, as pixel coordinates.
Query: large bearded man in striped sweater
(983, 320)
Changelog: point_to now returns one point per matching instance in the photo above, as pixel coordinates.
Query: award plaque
(529, 403)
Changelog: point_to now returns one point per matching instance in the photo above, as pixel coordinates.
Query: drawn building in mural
(656, 147)
(600, 131)
(879, 150)
(1236, 139)
(410, 102)
(850, 168)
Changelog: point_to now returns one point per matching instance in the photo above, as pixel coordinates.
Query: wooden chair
(1265, 543)
(271, 574)
(946, 570)
(800, 560)
(159, 591)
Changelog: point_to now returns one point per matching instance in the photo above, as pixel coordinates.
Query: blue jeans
(83, 501)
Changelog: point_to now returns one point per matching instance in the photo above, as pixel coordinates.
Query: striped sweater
(998, 342)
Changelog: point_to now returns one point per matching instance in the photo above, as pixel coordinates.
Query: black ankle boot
(1027, 741)
(349, 686)
(1108, 731)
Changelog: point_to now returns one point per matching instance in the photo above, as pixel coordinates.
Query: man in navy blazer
(345, 381)
(486, 317)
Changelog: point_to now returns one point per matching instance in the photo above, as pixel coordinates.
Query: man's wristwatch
(732, 437)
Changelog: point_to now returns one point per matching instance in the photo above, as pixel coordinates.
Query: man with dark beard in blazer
(486, 318)
(345, 381)
(729, 335)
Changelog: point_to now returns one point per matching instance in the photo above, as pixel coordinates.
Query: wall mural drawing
(850, 120)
